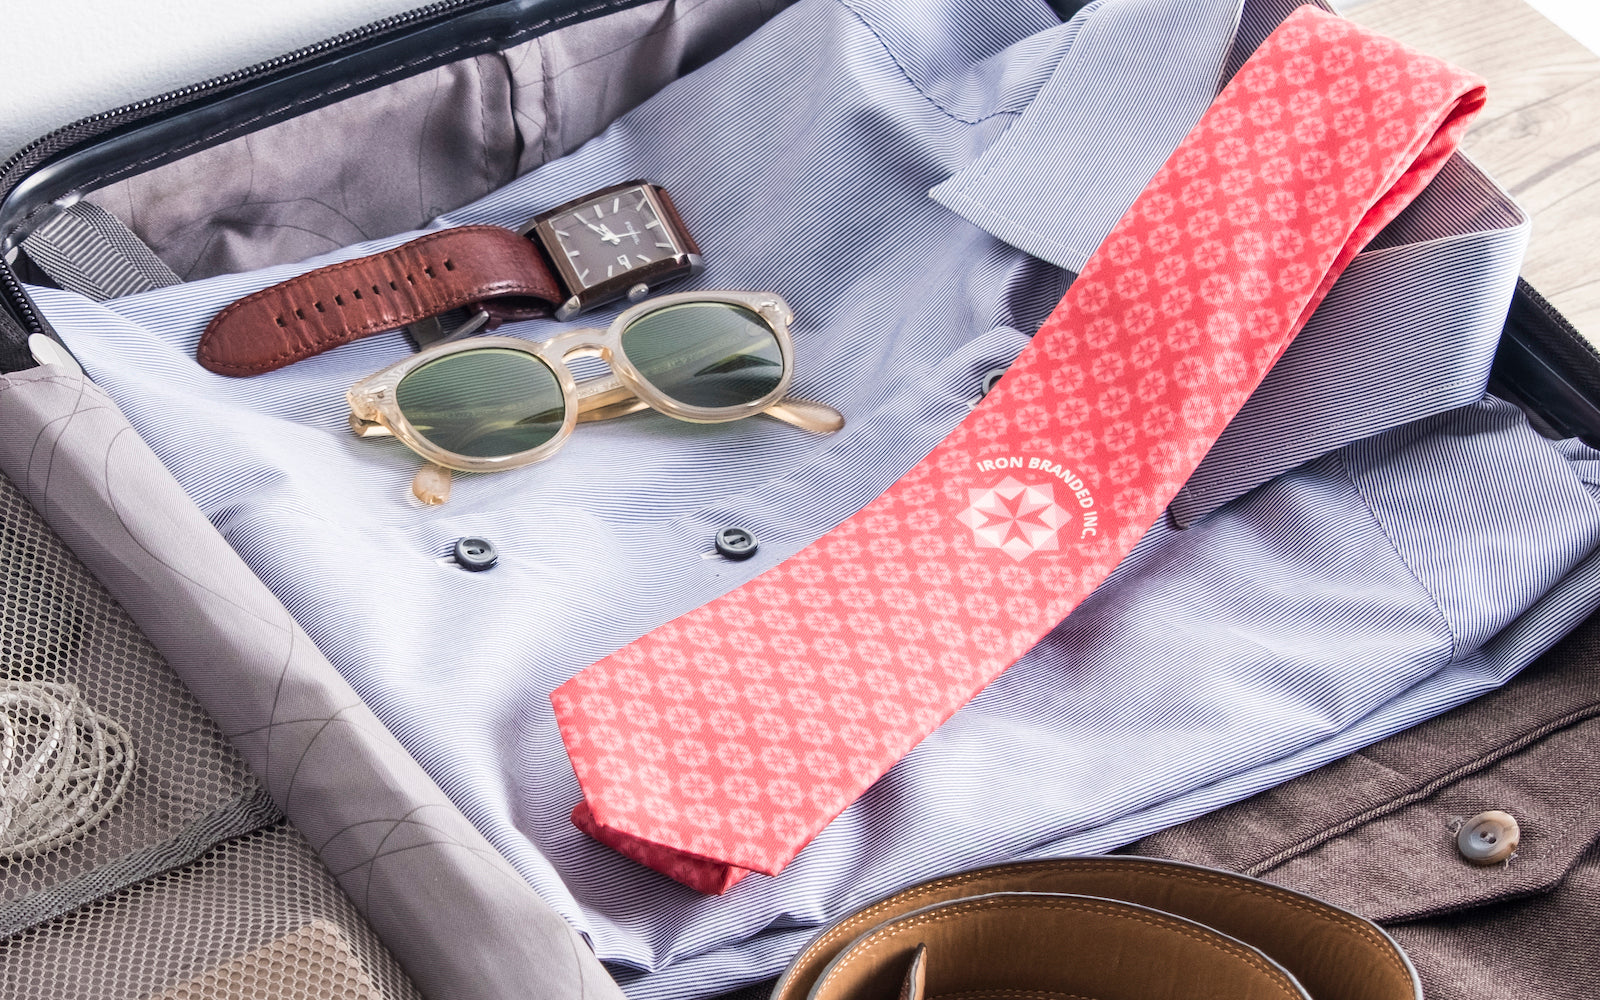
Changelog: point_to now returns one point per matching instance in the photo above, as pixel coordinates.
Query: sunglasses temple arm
(802, 413)
(368, 428)
(605, 399)
(818, 418)
(610, 411)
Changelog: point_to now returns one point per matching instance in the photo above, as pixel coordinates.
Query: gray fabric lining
(567, 86)
(461, 920)
(372, 164)
(394, 158)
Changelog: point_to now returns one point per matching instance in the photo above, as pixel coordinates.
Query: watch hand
(610, 237)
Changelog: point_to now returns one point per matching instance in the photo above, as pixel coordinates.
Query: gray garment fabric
(1374, 832)
(462, 922)
(392, 159)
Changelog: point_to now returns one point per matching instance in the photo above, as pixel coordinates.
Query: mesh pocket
(258, 917)
(139, 857)
(149, 780)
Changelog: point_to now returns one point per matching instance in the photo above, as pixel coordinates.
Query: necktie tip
(698, 873)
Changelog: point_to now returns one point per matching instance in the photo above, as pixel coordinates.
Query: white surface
(65, 60)
(1578, 18)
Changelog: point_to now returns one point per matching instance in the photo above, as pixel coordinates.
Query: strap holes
(338, 300)
(411, 280)
(298, 314)
(319, 307)
(391, 285)
(356, 292)
(448, 266)
(281, 322)
(428, 270)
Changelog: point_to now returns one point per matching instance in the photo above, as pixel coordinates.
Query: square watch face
(614, 236)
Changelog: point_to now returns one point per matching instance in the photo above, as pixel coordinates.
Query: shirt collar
(1104, 122)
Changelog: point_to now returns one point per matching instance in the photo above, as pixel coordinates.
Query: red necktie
(722, 742)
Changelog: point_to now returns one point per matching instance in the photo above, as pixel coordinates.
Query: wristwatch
(630, 230)
(620, 241)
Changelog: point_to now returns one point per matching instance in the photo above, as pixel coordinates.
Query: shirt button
(990, 379)
(475, 554)
(736, 544)
(1489, 837)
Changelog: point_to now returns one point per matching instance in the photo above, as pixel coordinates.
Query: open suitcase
(259, 830)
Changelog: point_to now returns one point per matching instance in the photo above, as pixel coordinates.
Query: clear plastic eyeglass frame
(375, 411)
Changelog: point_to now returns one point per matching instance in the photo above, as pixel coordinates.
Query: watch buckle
(433, 330)
(569, 309)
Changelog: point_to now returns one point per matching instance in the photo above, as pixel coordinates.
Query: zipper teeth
(67, 135)
(240, 75)
(19, 301)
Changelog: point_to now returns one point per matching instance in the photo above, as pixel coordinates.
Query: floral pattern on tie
(723, 741)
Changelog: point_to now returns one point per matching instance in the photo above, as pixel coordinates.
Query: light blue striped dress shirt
(1376, 584)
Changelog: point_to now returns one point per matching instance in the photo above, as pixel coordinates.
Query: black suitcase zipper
(85, 130)
(501, 22)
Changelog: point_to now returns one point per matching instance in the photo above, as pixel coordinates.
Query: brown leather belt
(1100, 928)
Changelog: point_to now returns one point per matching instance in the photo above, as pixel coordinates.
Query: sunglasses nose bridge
(586, 351)
(586, 342)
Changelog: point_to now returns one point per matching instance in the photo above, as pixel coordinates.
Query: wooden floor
(1539, 136)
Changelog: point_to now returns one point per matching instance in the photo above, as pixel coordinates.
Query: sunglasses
(488, 403)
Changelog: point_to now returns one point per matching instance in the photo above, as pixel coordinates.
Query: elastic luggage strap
(85, 249)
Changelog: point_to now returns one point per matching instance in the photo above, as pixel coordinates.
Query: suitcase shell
(469, 937)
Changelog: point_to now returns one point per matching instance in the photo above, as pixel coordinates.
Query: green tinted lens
(485, 403)
(705, 353)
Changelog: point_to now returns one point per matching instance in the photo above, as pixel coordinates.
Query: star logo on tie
(1014, 517)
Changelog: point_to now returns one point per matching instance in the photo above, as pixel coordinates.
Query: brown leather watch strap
(485, 266)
